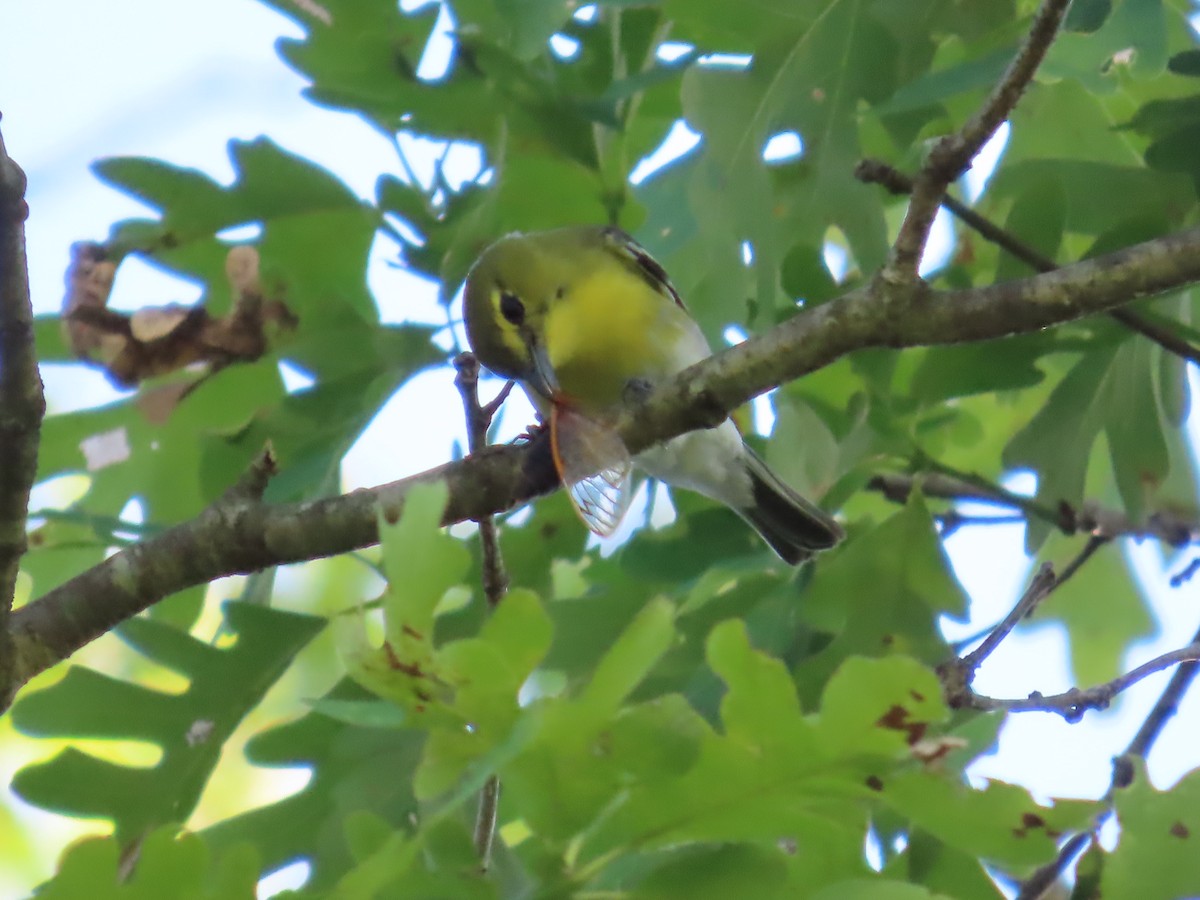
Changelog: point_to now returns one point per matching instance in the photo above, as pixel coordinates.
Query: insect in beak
(594, 466)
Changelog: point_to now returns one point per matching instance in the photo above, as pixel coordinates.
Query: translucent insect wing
(594, 466)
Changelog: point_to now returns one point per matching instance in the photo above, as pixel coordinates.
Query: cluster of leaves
(684, 718)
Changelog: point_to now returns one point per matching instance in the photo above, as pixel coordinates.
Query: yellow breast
(610, 327)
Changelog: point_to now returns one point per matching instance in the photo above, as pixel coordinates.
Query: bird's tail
(791, 525)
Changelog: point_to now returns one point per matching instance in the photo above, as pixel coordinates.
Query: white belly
(708, 461)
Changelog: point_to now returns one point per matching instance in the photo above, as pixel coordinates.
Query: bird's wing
(638, 259)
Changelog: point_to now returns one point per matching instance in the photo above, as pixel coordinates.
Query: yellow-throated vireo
(581, 315)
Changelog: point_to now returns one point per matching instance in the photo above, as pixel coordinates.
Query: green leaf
(1145, 193)
(942, 868)
(421, 563)
(760, 707)
(714, 873)
(1087, 15)
(1109, 388)
(881, 594)
(808, 77)
(353, 768)
(170, 866)
(1038, 215)
(880, 706)
(875, 889)
(365, 713)
(569, 770)
(1098, 644)
(368, 64)
(1138, 29)
(1000, 824)
(487, 673)
(1186, 62)
(190, 728)
(1155, 856)
(966, 369)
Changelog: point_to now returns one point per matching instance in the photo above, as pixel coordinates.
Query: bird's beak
(541, 376)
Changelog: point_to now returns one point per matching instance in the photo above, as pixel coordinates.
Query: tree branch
(874, 171)
(234, 537)
(1123, 770)
(1039, 589)
(22, 403)
(1167, 526)
(1072, 704)
(957, 674)
(495, 578)
(951, 155)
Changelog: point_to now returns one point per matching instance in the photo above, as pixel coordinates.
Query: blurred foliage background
(682, 716)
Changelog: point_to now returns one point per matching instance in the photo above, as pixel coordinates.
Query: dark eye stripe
(512, 308)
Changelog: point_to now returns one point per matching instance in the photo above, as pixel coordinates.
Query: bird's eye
(512, 308)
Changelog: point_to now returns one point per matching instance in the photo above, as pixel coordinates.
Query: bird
(583, 317)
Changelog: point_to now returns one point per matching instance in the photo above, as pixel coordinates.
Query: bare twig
(1185, 574)
(896, 486)
(479, 419)
(495, 578)
(1094, 543)
(952, 520)
(1040, 881)
(958, 674)
(485, 821)
(951, 155)
(22, 403)
(1072, 704)
(1123, 770)
(1163, 525)
(1039, 588)
(873, 171)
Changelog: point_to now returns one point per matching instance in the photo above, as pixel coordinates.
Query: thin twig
(1039, 588)
(494, 576)
(1123, 770)
(479, 419)
(22, 402)
(485, 821)
(1166, 526)
(1040, 881)
(1185, 574)
(952, 520)
(873, 171)
(1094, 543)
(1072, 704)
(897, 486)
(958, 674)
(951, 155)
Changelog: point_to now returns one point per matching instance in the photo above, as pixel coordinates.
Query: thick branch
(873, 171)
(952, 154)
(888, 315)
(22, 403)
(239, 536)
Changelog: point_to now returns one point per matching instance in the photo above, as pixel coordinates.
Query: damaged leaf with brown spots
(157, 340)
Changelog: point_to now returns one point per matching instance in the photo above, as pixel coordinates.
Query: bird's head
(508, 294)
